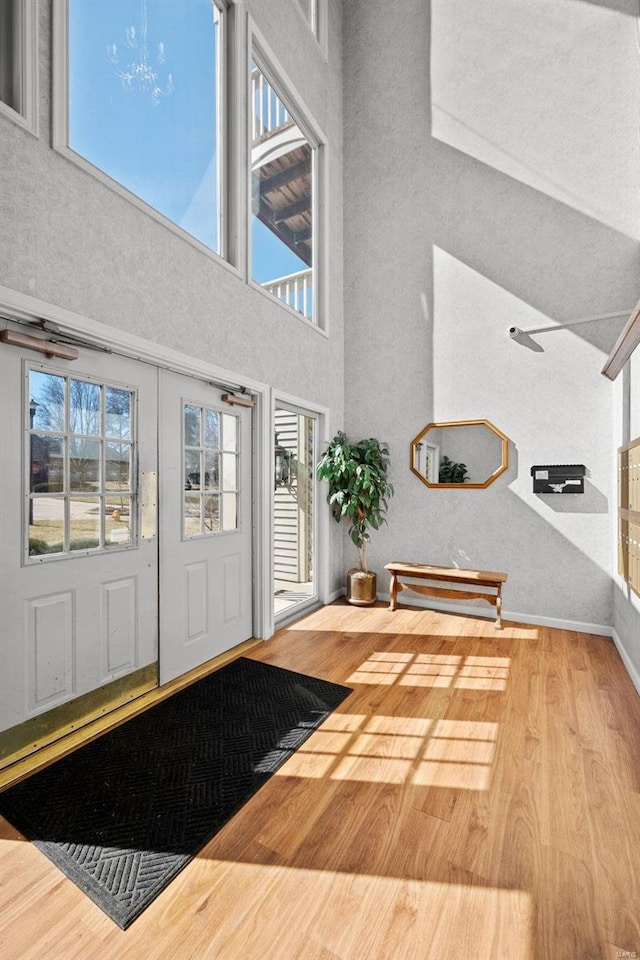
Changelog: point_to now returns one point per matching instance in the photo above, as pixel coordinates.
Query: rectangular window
(80, 461)
(18, 61)
(211, 471)
(283, 175)
(144, 103)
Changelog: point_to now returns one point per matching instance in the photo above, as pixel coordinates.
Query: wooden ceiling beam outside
(285, 177)
(300, 206)
(300, 236)
(283, 201)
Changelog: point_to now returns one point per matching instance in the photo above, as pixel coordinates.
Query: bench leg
(499, 609)
(393, 591)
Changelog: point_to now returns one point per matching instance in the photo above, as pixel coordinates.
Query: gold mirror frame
(460, 423)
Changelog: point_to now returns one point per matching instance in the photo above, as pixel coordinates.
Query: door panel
(50, 641)
(205, 525)
(119, 605)
(78, 584)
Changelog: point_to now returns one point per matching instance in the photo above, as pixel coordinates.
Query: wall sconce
(282, 465)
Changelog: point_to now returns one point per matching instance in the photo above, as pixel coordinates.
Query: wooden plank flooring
(477, 796)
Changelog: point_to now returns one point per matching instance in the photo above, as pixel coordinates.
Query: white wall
(490, 181)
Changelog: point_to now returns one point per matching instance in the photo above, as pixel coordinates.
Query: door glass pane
(47, 463)
(229, 511)
(117, 523)
(229, 432)
(84, 408)
(82, 446)
(192, 426)
(192, 526)
(192, 469)
(211, 470)
(46, 401)
(84, 465)
(212, 429)
(84, 523)
(117, 413)
(229, 471)
(46, 525)
(117, 466)
(212, 513)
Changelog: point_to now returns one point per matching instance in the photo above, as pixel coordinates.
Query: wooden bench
(466, 578)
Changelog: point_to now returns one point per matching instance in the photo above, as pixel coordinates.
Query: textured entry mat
(124, 814)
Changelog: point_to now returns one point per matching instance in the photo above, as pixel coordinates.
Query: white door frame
(18, 306)
(321, 547)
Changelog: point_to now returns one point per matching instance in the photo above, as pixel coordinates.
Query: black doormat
(124, 814)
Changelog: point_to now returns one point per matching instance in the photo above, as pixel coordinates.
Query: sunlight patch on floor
(384, 749)
(433, 670)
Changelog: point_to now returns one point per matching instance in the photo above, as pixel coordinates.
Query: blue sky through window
(143, 108)
(143, 103)
(271, 257)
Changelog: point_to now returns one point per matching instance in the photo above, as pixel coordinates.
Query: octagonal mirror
(460, 453)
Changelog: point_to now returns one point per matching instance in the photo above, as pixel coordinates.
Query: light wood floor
(477, 796)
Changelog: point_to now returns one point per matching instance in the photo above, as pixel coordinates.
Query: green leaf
(358, 485)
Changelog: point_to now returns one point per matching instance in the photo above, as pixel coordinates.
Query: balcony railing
(296, 290)
(269, 112)
(277, 137)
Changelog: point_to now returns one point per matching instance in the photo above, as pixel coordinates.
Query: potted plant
(452, 472)
(358, 493)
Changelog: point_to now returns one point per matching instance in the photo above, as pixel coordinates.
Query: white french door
(78, 573)
(205, 524)
(125, 536)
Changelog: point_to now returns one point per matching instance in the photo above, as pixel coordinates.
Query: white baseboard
(624, 656)
(577, 626)
(336, 594)
(471, 610)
